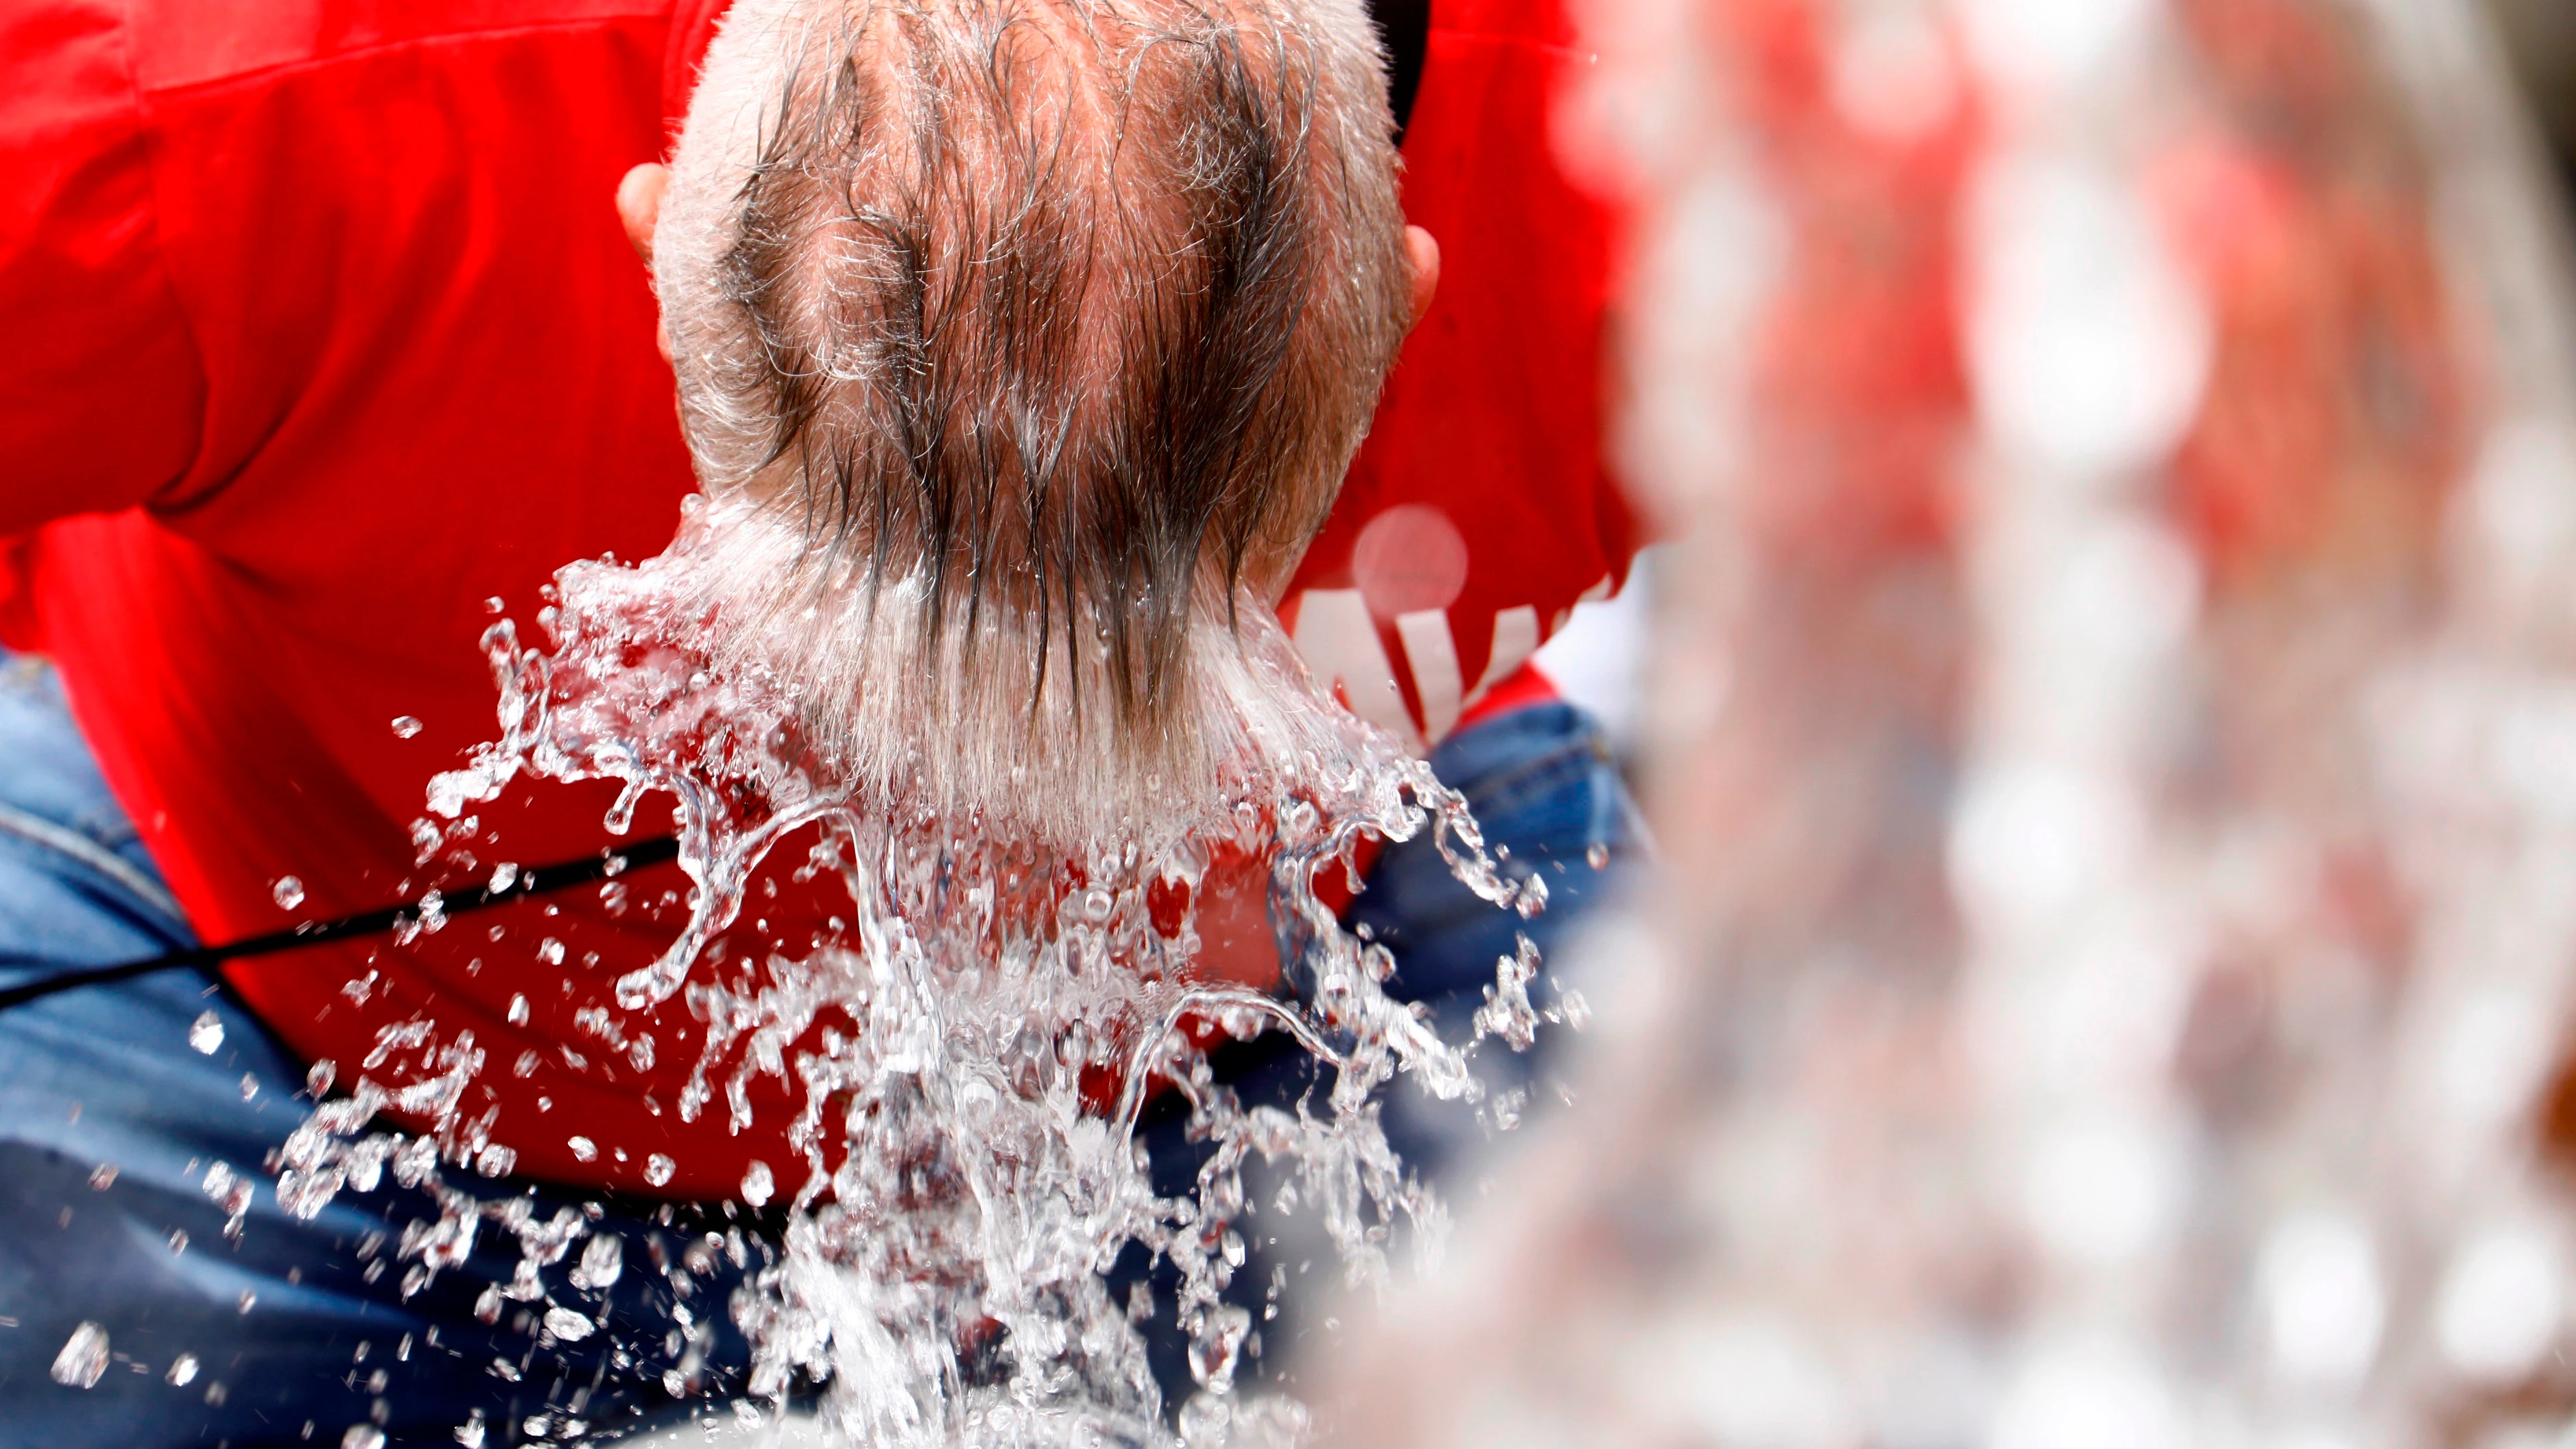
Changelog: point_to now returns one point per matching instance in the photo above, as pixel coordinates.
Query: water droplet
(249, 1086)
(487, 1308)
(1598, 855)
(470, 1433)
(248, 1298)
(207, 1032)
(103, 1176)
(518, 1009)
(288, 892)
(551, 951)
(84, 1357)
(363, 1436)
(583, 1149)
(405, 726)
(567, 1325)
(1214, 1353)
(2500, 1304)
(603, 1262)
(758, 1186)
(504, 876)
(183, 1370)
(658, 1169)
(317, 1078)
(178, 1241)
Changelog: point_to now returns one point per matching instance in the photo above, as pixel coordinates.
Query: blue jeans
(109, 1125)
(1543, 785)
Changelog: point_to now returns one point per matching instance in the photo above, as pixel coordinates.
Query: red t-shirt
(1480, 510)
(322, 333)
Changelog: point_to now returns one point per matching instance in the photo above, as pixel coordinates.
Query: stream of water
(974, 1038)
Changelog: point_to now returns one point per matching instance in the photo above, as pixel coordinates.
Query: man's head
(1042, 326)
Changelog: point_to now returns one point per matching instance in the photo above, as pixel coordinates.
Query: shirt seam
(389, 47)
(147, 138)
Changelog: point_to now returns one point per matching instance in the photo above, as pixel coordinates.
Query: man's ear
(1421, 249)
(639, 206)
(639, 210)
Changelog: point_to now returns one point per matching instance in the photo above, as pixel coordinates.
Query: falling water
(971, 1042)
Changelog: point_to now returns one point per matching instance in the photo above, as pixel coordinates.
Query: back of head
(1017, 340)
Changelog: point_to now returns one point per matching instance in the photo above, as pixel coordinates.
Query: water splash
(83, 1358)
(971, 1044)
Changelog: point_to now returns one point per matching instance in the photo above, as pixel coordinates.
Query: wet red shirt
(317, 334)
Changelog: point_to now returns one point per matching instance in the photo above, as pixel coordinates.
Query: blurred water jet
(2109, 729)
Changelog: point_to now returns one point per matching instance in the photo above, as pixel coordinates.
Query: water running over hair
(1017, 970)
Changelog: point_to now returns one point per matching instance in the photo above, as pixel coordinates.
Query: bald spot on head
(1068, 315)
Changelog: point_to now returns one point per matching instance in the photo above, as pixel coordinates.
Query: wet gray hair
(1045, 327)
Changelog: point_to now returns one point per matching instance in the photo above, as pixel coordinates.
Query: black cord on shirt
(540, 880)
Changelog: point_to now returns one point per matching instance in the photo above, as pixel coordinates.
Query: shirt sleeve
(101, 389)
